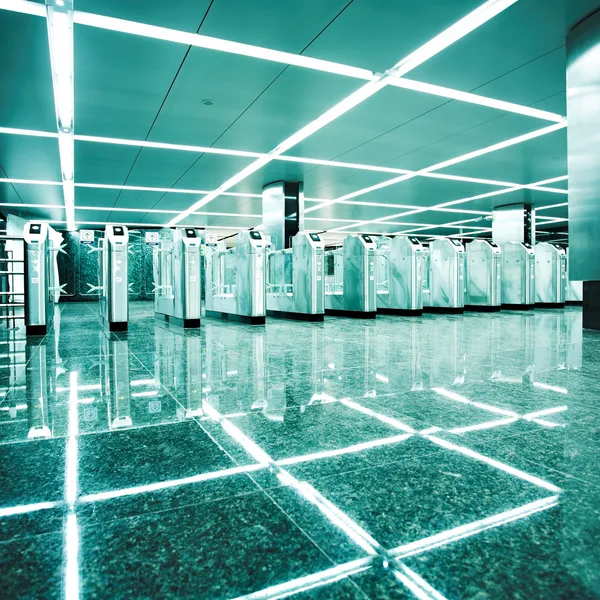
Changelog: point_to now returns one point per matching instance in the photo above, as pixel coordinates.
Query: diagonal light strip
(452, 34)
(465, 157)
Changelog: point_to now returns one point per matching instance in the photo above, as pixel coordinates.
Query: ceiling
(138, 88)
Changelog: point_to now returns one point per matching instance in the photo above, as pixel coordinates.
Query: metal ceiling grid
(346, 141)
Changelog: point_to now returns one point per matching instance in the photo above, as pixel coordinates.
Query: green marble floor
(432, 457)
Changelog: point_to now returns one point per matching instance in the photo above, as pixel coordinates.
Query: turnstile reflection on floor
(295, 279)
(550, 275)
(114, 278)
(447, 283)
(399, 266)
(39, 279)
(350, 285)
(574, 288)
(518, 275)
(483, 275)
(235, 279)
(426, 277)
(177, 277)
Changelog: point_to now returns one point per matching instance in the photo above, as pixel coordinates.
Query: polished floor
(437, 457)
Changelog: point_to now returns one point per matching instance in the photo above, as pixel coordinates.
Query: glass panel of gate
(230, 274)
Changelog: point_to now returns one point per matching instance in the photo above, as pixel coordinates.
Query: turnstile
(426, 277)
(351, 285)
(295, 279)
(483, 275)
(39, 278)
(235, 279)
(518, 276)
(177, 277)
(550, 275)
(574, 288)
(447, 283)
(399, 267)
(114, 284)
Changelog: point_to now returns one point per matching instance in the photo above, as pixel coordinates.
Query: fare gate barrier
(483, 275)
(296, 281)
(518, 276)
(550, 275)
(235, 279)
(351, 288)
(446, 276)
(177, 276)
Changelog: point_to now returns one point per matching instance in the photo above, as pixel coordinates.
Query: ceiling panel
(120, 81)
(102, 163)
(27, 99)
(186, 17)
(25, 157)
(40, 194)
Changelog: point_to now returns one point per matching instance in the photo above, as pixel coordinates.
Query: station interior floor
(434, 457)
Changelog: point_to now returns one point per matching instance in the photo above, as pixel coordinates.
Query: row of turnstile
(364, 276)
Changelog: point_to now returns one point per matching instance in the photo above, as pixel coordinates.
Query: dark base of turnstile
(574, 303)
(36, 329)
(185, 323)
(236, 318)
(404, 312)
(354, 314)
(478, 308)
(549, 304)
(445, 310)
(118, 326)
(282, 314)
(518, 306)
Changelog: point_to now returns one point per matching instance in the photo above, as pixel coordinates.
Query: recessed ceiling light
(208, 102)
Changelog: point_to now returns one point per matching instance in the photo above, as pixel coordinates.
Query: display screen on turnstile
(492, 244)
(118, 230)
(415, 241)
(457, 242)
(527, 245)
(367, 239)
(255, 235)
(314, 237)
(191, 233)
(35, 228)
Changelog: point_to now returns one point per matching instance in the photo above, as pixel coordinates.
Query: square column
(513, 223)
(283, 212)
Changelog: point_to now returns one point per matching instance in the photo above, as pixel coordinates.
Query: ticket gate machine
(235, 279)
(114, 285)
(447, 282)
(352, 289)
(295, 279)
(483, 275)
(550, 275)
(426, 277)
(574, 288)
(518, 276)
(399, 275)
(177, 276)
(39, 279)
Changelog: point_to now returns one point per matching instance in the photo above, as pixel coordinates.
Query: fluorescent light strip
(139, 224)
(551, 206)
(23, 6)
(302, 584)
(458, 398)
(552, 388)
(416, 584)
(449, 36)
(163, 485)
(71, 456)
(60, 37)
(437, 90)
(543, 413)
(226, 152)
(71, 574)
(341, 451)
(9, 511)
(463, 531)
(494, 463)
(465, 157)
(483, 426)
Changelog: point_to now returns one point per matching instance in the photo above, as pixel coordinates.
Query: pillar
(283, 212)
(513, 223)
(583, 112)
